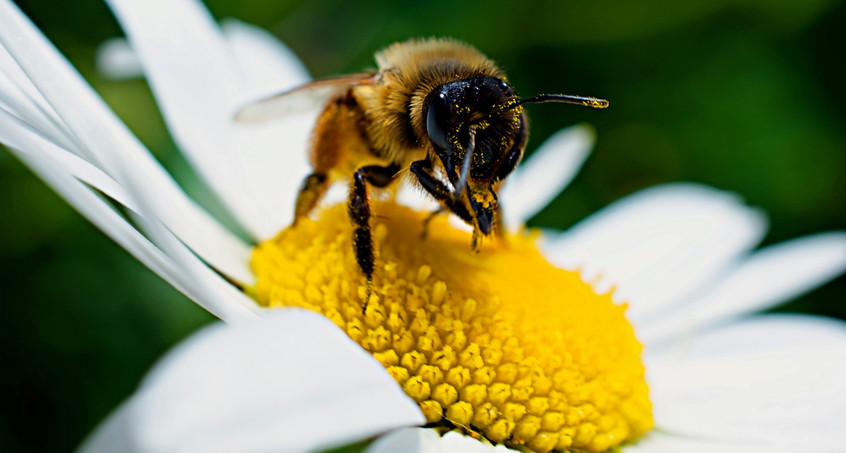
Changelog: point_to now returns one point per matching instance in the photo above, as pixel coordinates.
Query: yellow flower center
(499, 344)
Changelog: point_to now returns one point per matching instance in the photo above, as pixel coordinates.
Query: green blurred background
(744, 95)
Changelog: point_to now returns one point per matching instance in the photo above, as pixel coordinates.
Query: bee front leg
(422, 170)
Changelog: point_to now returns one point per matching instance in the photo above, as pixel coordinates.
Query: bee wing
(301, 98)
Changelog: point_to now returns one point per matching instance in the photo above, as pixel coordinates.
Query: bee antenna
(596, 103)
(465, 165)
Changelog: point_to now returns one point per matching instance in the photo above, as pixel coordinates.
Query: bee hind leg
(312, 190)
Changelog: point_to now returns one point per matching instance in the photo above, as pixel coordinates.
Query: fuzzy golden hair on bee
(409, 71)
(438, 114)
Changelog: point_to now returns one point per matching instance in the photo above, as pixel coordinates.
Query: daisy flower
(545, 343)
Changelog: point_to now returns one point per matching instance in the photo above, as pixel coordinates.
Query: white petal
(210, 288)
(22, 99)
(16, 78)
(189, 69)
(290, 382)
(199, 87)
(16, 134)
(453, 442)
(775, 380)
(114, 148)
(102, 215)
(660, 244)
(660, 442)
(273, 154)
(270, 66)
(407, 440)
(113, 435)
(542, 177)
(116, 60)
(770, 276)
(425, 440)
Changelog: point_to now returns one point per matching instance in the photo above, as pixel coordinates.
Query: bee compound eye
(437, 121)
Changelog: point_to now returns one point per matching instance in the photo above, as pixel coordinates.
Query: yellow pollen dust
(499, 344)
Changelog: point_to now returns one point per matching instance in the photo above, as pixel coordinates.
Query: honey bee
(436, 108)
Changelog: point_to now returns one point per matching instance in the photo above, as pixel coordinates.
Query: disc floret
(498, 344)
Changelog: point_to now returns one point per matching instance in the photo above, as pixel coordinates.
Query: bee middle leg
(428, 220)
(359, 212)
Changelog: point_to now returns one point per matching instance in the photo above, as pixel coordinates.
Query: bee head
(474, 132)
(478, 130)
(469, 115)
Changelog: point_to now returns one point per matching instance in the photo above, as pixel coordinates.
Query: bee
(436, 108)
